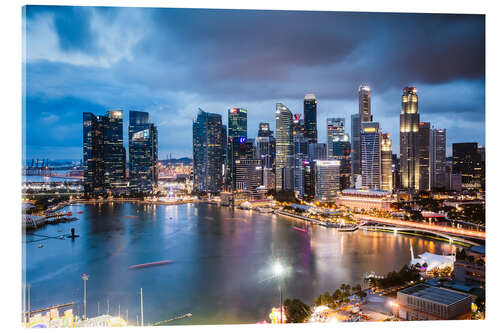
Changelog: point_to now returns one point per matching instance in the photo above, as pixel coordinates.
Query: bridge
(451, 239)
(451, 233)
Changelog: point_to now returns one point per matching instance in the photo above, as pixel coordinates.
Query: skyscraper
(236, 141)
(284, 143)
(341, 151)
(143, 152)
(93, 154)
(248, 175)
(409, 120)
(327, 179)
(355, 147)
(386, 156)
(335, 129)
(438, 158)
(298, 125)
(371, 155)
(300, 154)
(265, 150)
(364, 115)
(310, 118)
(424, 134)
(208, 152)
(114, 152)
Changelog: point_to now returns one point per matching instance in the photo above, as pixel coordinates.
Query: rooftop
(434, 294)
(478, 249)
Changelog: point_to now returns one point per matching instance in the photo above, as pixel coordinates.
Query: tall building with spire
(310, 118)
(284, 145)
(364, 115)
(408, 144)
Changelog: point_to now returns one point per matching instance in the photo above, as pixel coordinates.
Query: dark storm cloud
(170, 61)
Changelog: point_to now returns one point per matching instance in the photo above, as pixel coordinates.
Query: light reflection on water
(222, 259)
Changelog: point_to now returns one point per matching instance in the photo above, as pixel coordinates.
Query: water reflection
(221, 261)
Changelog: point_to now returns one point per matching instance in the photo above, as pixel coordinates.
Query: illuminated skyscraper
(438, 158)
(248, 175)
(143, 153)
(335, 129)
(365, 109)
(364, 115)
(371, 155)
(341, 151)
(298, 125)
(236, 141)
(355, 147)
(208, 152)
(284, 143)
(300, 154)
(424, 135)
(386, 156)
(409, 120)
(327, 179)
(114, 152)
(265, 150)
(310, 118)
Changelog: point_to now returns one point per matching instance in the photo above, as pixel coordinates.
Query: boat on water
(150, 264)
(40, 246)
(301, 229)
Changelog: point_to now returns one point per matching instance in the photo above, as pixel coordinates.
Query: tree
(296, 310)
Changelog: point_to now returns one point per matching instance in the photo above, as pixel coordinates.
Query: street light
(85, 277)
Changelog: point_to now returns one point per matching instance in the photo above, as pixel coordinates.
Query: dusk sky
(170, 62)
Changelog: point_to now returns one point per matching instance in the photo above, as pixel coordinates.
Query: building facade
(236, 142)
(114, 152)
(93, 154)
(284, 145)
(386, 163)
(143, 153)
(208, 152)
(467, 161)
(409, 120)
(327, 176)
(310, 118)
(300, 154)
(335, 129)
(341, 151)
(355, 147)
(438, 158)
(371, 155)
(248, 175)
(424, 136)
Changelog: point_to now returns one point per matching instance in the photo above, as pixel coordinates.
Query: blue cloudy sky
(169, 62)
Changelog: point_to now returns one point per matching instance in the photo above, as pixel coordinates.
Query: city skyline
(78, 59)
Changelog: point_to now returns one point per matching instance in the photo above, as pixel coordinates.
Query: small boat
(40, 246)
(150, 264)
(300, 229)
(79, 212)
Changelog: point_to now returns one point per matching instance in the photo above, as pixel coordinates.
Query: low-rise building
(365, 199)
(471, 270)
(426, 302)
